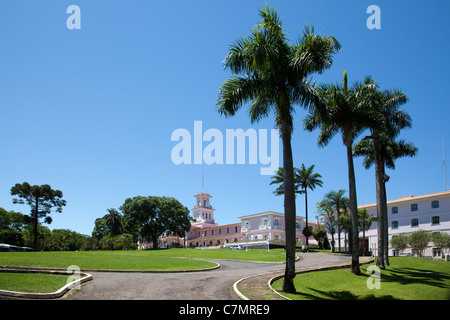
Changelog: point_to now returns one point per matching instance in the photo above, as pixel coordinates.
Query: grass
(156, 260)
(32, 282)
(406, 278)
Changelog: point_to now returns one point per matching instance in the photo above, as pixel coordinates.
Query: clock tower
(203, 212)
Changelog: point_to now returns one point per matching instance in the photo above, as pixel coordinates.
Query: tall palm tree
(339, 202)
(114, 222)
(387, 121)
(390, 150)
(274, 78)
(342, 112)
(307, 179)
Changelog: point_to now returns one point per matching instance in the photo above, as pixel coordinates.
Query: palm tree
(306, 179)
(365, 221)
(275, 79)
(387, 121)
(390, 150)
(338, 201)
(277, 178)
(114, 222)
(342, 112)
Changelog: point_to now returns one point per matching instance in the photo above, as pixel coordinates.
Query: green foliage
(419, 240)
(307, 231)
(399, 242)
(148, 218)
(42, 199)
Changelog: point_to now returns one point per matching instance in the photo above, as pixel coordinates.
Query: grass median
(405, 279)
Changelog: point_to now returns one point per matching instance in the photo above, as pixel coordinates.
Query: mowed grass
(140, 260)
(405, 279)
(32, 282)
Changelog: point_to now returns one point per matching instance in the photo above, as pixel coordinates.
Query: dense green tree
(42, 199)
(275, 78)
(11, 226)
(147, 218)
(365, 221)
(114, 222)
(399, 242)
(326, 208)
(419, 240)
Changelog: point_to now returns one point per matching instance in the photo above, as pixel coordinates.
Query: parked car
(404, 254)
(236, 247)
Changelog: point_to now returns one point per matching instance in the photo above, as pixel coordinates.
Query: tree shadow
(339, 295)
(407, 275)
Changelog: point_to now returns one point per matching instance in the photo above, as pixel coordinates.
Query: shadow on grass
(339, 295)
(399, 276)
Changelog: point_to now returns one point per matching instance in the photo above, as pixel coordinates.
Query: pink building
(254, 228)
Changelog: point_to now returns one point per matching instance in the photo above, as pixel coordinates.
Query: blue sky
(91, 111)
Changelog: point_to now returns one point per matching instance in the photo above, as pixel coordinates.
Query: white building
(408, 214)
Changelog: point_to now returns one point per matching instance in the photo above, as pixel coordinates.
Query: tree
(399, 242)
(345, 223)
(419, 240)
(12, 225)
(148, 218)
(441, 240)
(42, 199)
(387, 119)
(342, 112)
(306, 179)
(319, 234)
(325, 207)
(275, 79)
(339, 202)
(365, 221)
(114, 222)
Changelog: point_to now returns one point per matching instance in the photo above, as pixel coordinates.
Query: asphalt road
(209, 285)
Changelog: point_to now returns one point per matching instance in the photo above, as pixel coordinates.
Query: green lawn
(170, 259)
(405, 279)
(32, 282)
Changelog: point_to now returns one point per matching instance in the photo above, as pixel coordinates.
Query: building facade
(405, 215)
(256, 228)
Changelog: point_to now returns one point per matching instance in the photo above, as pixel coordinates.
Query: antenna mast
(445, 173)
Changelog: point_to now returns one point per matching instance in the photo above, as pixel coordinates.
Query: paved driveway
(215, 284)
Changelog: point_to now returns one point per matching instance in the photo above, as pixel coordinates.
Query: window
(394, 210)
(276, 222)
(414, 207)
(435, 220)
(228, 230)
(212, 232)
(414, 222)
(235, 229)
(435, 204)
(220, 231)
(394, 224)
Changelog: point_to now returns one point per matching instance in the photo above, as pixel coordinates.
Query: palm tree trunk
(379, 176)
(339, 231)
(386, 224)
(306, 214)
(289, 207)
(353, 211)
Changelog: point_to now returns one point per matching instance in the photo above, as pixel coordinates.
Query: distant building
(408, 214)
(253, 230)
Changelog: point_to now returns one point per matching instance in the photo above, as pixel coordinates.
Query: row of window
(220, 231)
(415, 206)
(415, 222)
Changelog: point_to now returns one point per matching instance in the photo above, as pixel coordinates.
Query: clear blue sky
(91, 111)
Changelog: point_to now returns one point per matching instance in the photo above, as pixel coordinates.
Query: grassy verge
(32, 282)
(405, 279)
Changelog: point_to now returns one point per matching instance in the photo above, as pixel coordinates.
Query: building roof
(266, 213)
(411, 198)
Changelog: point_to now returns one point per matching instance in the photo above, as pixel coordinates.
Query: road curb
(53, 295)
